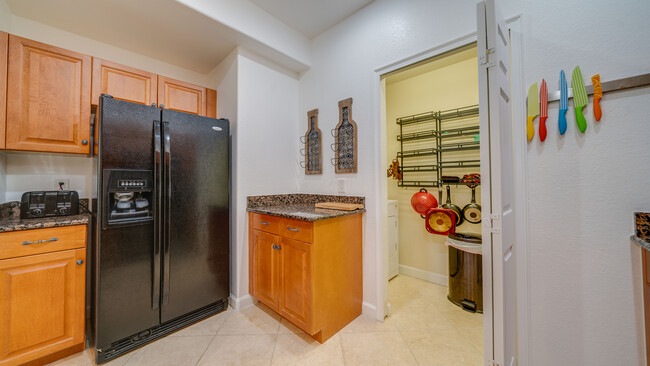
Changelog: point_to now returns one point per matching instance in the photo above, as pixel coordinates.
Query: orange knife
(598, 94)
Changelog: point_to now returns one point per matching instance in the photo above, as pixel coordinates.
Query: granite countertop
(10, 218)
(301, 206)
(640, 242)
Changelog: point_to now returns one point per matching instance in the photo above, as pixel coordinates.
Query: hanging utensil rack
(440, 134)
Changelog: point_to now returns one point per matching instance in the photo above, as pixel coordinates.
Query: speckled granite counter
(300, 206)
(10, 218)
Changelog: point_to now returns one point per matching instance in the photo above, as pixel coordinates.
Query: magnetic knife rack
(440, 136)
(608, 86)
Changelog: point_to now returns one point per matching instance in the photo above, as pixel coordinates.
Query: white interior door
(497, 188)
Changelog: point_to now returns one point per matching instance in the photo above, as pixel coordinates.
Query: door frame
(521, 188)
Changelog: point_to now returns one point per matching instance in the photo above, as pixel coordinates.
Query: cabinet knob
(278, 247)
(162, 106)
(84, 142)
(153, 104)
(80, 262)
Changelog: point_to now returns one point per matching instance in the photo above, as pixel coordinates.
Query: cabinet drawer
(28, 242)
(268, 223)
(297, 229)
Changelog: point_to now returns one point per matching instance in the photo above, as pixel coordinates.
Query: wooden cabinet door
(48, 98)
(297, 283)
(123, 82)
(4, 41)
(43, 302)
(181, 96)
(265, 264)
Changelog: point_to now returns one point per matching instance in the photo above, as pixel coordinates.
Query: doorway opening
(433, 147)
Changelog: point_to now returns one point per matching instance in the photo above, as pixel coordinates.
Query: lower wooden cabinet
(308, 272)
(42, 296)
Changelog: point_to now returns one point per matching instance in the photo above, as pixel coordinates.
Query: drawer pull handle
(264, 223)
(39, 241)
(296, 229)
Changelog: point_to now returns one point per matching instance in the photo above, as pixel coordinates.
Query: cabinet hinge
(487, 59)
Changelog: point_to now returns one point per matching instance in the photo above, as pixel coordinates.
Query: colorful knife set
(538, 104)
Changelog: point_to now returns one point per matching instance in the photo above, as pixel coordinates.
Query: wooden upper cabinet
(123, 82)
(48, 98)
(4, 40)
(181, 96)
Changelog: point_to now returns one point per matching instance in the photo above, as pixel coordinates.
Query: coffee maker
(128, 198)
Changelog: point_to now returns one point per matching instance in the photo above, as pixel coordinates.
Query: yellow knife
(533, 110)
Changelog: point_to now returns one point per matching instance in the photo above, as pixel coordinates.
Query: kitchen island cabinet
(42, 294)
(309, 272)
(48, 98)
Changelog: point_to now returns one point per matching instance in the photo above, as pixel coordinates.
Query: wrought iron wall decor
(345, 137)
(312, 151)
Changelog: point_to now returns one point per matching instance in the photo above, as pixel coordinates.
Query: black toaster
(49, 203)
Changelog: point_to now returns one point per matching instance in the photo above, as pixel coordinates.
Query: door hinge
(487, 59)
(493, 223)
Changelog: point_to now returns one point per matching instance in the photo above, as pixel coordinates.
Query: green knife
(579, 98)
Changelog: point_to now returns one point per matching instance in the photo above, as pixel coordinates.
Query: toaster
(49, 203)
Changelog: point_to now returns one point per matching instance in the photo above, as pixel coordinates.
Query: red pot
(423, 201)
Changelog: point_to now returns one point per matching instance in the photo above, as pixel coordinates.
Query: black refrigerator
(160, 259)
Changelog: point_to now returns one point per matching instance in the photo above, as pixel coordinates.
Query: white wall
(343, 62)
(266, 156)
(451, 82)
(582, 188)
(3, 176)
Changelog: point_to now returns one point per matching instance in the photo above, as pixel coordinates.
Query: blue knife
(564, 103)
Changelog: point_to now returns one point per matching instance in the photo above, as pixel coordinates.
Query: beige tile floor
(425, 329)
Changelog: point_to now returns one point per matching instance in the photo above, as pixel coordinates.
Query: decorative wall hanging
(313, 162)
(345, 137)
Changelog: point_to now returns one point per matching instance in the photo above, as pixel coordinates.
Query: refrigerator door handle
(167, 205)
(155, 297)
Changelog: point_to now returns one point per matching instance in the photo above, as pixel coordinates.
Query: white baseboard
(369, 309)
(242, 302)
(436, 278)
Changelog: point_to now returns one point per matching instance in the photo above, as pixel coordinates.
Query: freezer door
(197, 238)
(127, 277)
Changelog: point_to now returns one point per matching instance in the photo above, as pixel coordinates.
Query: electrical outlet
(341, 186)
(61, 184)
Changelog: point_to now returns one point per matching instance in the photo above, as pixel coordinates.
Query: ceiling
(311, 17)
(169, 31)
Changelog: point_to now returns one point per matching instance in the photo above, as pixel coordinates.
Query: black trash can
(465, 271)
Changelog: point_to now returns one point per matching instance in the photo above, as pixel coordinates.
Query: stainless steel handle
(157, 213)
(167, 220)
(91, 150)
(296, 229)
(39, 241)
(264, 223)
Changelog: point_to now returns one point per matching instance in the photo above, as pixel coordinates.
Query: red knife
(543, 110)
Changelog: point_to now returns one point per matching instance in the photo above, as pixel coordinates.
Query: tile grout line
(275, 344)
(213, 337)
